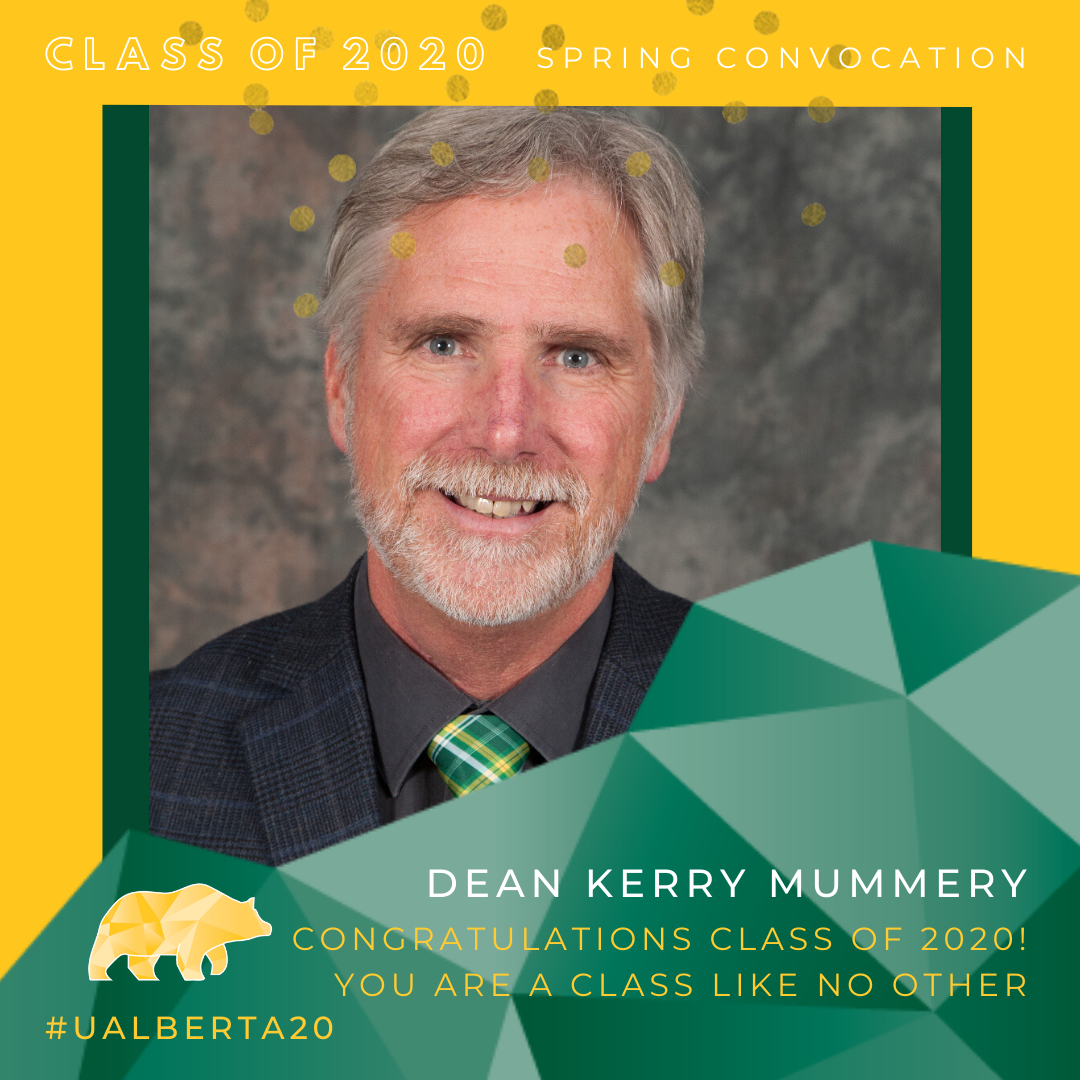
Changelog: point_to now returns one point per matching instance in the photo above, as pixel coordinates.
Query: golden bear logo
(195, 922)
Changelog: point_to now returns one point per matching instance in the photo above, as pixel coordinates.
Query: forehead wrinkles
(557, 206)
(457, 288)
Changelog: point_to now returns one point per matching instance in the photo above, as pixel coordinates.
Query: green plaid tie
(477, 749)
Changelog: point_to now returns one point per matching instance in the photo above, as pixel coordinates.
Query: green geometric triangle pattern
(945, 607)
(1028, 1032)
(29, 988)
(831, 819)
(513, 1058)
(830, 608)
(924, 1047)
(840, 839)
(472, 835)
(1015, 704)
(719, 668)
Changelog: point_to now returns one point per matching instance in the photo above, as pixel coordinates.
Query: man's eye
(576, 358)
(442, 345)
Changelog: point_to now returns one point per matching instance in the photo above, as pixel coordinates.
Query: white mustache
(519, 480)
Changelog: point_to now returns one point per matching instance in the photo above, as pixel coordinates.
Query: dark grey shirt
(410, 702)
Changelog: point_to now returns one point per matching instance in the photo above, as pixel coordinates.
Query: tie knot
(477, 749)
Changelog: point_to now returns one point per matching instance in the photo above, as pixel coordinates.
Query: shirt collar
(410, 701)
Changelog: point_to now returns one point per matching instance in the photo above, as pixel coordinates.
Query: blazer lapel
(311, 752)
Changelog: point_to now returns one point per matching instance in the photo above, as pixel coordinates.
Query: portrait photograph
(453, 413)
(611, 581)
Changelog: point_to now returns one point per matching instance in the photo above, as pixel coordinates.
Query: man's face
(502, 402)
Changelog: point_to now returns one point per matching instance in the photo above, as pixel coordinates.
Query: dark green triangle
(1031, 1035)
(926, 1048)
(580, 1039)
(624, 830)
(718, 669)
(653, 1034)
(965, 807)
(50, 980)
(945, 607)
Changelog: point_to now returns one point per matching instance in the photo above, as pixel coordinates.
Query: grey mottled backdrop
(814, 425)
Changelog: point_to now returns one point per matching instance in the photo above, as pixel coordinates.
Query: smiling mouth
(494, 507)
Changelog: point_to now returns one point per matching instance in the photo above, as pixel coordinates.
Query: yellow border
(1025, 367)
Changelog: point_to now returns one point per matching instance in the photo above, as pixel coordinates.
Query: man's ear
(334, 379)
(662, 449)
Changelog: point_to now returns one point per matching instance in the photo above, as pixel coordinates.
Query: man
(512, 303)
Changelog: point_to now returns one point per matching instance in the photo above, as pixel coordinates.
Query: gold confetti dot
(191, 32)
(402, 245)
(262, 123)
(699, 7)
(664, 82)
(381, 36)
(553, 36)
(672, 274)
(765, 22)
(324, 37)
(734, 112)
(342, 168)
(493, 17)
(638, 164)
(822, 110)
(814, 214)
(256, 96)
(574, 256)
(546, 101)
(539, 169)
(256, 10)
(442, 153)
(457, 88)
(366, 93)
(840, 56)
(302, 218)
(306, 305)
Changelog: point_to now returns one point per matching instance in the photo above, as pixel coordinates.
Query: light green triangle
(513, 1059)
(1014, 705)
(926, 1048)
(832, 608)
(796, 787)
(31, 992)
(533, 821)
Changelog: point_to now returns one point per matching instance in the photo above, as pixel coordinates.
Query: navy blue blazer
(261, 742)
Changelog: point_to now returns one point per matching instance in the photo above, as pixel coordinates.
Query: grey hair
(492, 148)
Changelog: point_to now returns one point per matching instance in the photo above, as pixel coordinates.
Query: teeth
(500, 508)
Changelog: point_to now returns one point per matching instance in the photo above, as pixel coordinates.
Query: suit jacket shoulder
(644, 622)
(261, 742)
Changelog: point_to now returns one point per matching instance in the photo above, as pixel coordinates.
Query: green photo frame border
(125, 347)
(126, 393)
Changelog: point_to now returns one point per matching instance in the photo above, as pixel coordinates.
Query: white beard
(489, 581)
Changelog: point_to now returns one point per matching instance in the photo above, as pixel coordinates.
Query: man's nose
(504, 412)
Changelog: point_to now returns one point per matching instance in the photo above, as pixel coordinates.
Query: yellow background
(1026, 381)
